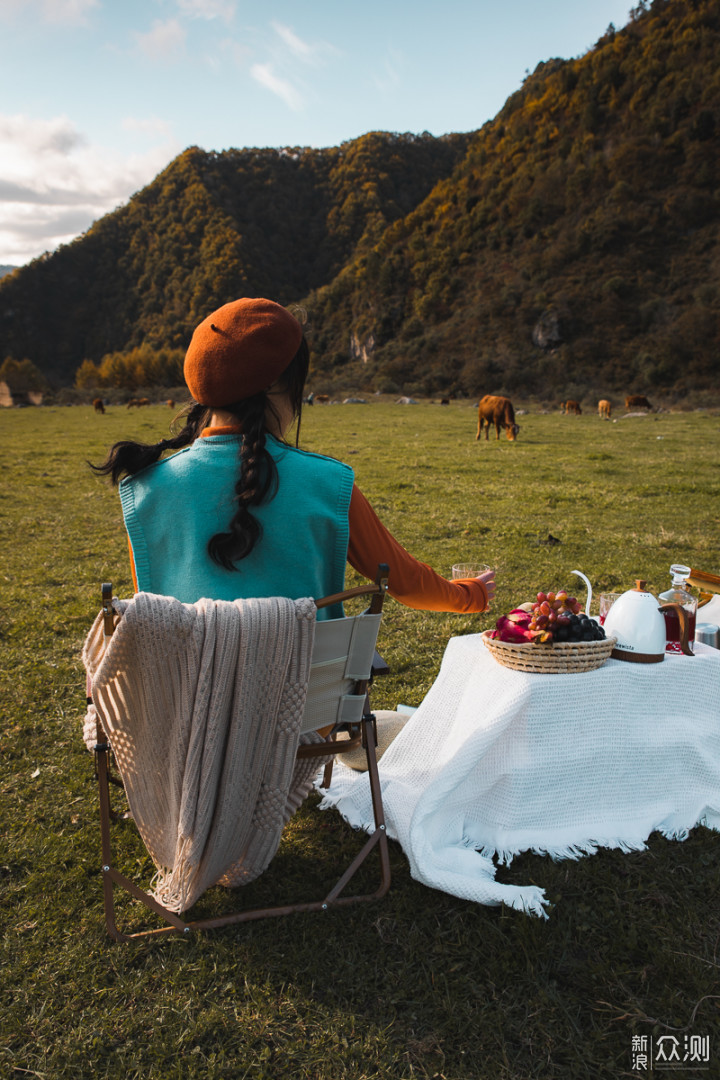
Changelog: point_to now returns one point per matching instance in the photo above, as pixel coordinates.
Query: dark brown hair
(258, 478)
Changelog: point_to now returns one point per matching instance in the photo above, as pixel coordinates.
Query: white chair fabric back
(343, 653)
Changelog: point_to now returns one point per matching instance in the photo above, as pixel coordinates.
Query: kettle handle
(684, 625)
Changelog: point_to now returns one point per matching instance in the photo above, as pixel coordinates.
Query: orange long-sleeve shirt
(413, 583)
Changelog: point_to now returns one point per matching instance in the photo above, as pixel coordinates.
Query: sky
(98, 96)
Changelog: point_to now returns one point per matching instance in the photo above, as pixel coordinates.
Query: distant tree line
(142, 367)
(21, 376)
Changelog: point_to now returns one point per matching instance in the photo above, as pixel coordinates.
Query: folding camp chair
(344, 662)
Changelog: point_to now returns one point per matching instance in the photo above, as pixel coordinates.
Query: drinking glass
(469, 570)
(607, 599)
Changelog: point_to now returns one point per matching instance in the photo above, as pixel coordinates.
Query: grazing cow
(498, 411)
(98, 405)
(137, 402)
(572, 407)
(604, 409)
(170, 403)
(322, 399)
(445, 401)
(637, 401)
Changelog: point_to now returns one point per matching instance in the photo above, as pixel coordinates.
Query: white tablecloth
(497, 762)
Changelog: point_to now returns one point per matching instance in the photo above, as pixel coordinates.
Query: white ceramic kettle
(636, 620)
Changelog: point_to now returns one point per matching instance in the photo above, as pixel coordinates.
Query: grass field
(421, 984)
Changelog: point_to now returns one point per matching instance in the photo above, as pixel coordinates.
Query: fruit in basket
(578, 628)
(551, 609)
(515, 628)
(552, 617)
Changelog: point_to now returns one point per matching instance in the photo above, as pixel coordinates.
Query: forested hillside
(209, 228)
(575, 248)
(570, 245)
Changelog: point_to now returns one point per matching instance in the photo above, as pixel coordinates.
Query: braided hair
(125, 458)
(258, 479)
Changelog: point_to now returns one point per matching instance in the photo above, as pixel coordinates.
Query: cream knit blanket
(202, 704)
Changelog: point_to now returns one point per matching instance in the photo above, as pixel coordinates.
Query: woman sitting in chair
(239, 512)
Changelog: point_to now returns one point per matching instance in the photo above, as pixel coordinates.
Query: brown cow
(604, 409)
(322, 399)
(98, 405)
(170, 403)
(571, 407)
(137, 402)
(498, 411)
(637, 401)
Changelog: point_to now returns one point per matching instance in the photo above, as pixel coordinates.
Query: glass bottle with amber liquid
(678, 594)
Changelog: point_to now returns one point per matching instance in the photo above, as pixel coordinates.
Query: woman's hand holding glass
(480, 572)
(488, 580)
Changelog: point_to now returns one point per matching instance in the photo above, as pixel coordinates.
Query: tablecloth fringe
(578, 849)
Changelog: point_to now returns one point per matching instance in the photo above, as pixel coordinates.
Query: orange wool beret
(240, 350)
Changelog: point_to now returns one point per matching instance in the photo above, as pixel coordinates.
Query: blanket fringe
(172, 887)
(576, 850)
(529, 900)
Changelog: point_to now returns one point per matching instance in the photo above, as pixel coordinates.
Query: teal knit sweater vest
(173, 507)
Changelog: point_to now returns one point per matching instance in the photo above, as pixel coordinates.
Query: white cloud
(265, 75)
(68, 10)
(165, 41)
(23, 139)
(53, 11)
(54, 183)
(207, 9)
(285, 50)
(390, 77)
(310, 54)
(294, 43)
(147, 125)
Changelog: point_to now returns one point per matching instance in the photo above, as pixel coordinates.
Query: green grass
(421, 984)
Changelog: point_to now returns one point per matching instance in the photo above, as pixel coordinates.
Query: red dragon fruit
(515, 628)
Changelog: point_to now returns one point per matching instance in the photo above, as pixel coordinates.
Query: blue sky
(97, 96)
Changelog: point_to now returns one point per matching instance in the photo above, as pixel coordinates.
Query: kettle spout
(589, 589)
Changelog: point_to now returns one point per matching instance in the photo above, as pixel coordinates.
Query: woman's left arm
(412, 582)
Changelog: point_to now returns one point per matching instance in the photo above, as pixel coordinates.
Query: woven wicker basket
(560, 658)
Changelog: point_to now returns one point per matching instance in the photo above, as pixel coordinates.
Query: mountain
(5, 269)
(209, 228)
(574, 249)
(570, 245)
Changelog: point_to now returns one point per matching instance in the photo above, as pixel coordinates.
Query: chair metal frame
(363, 733)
